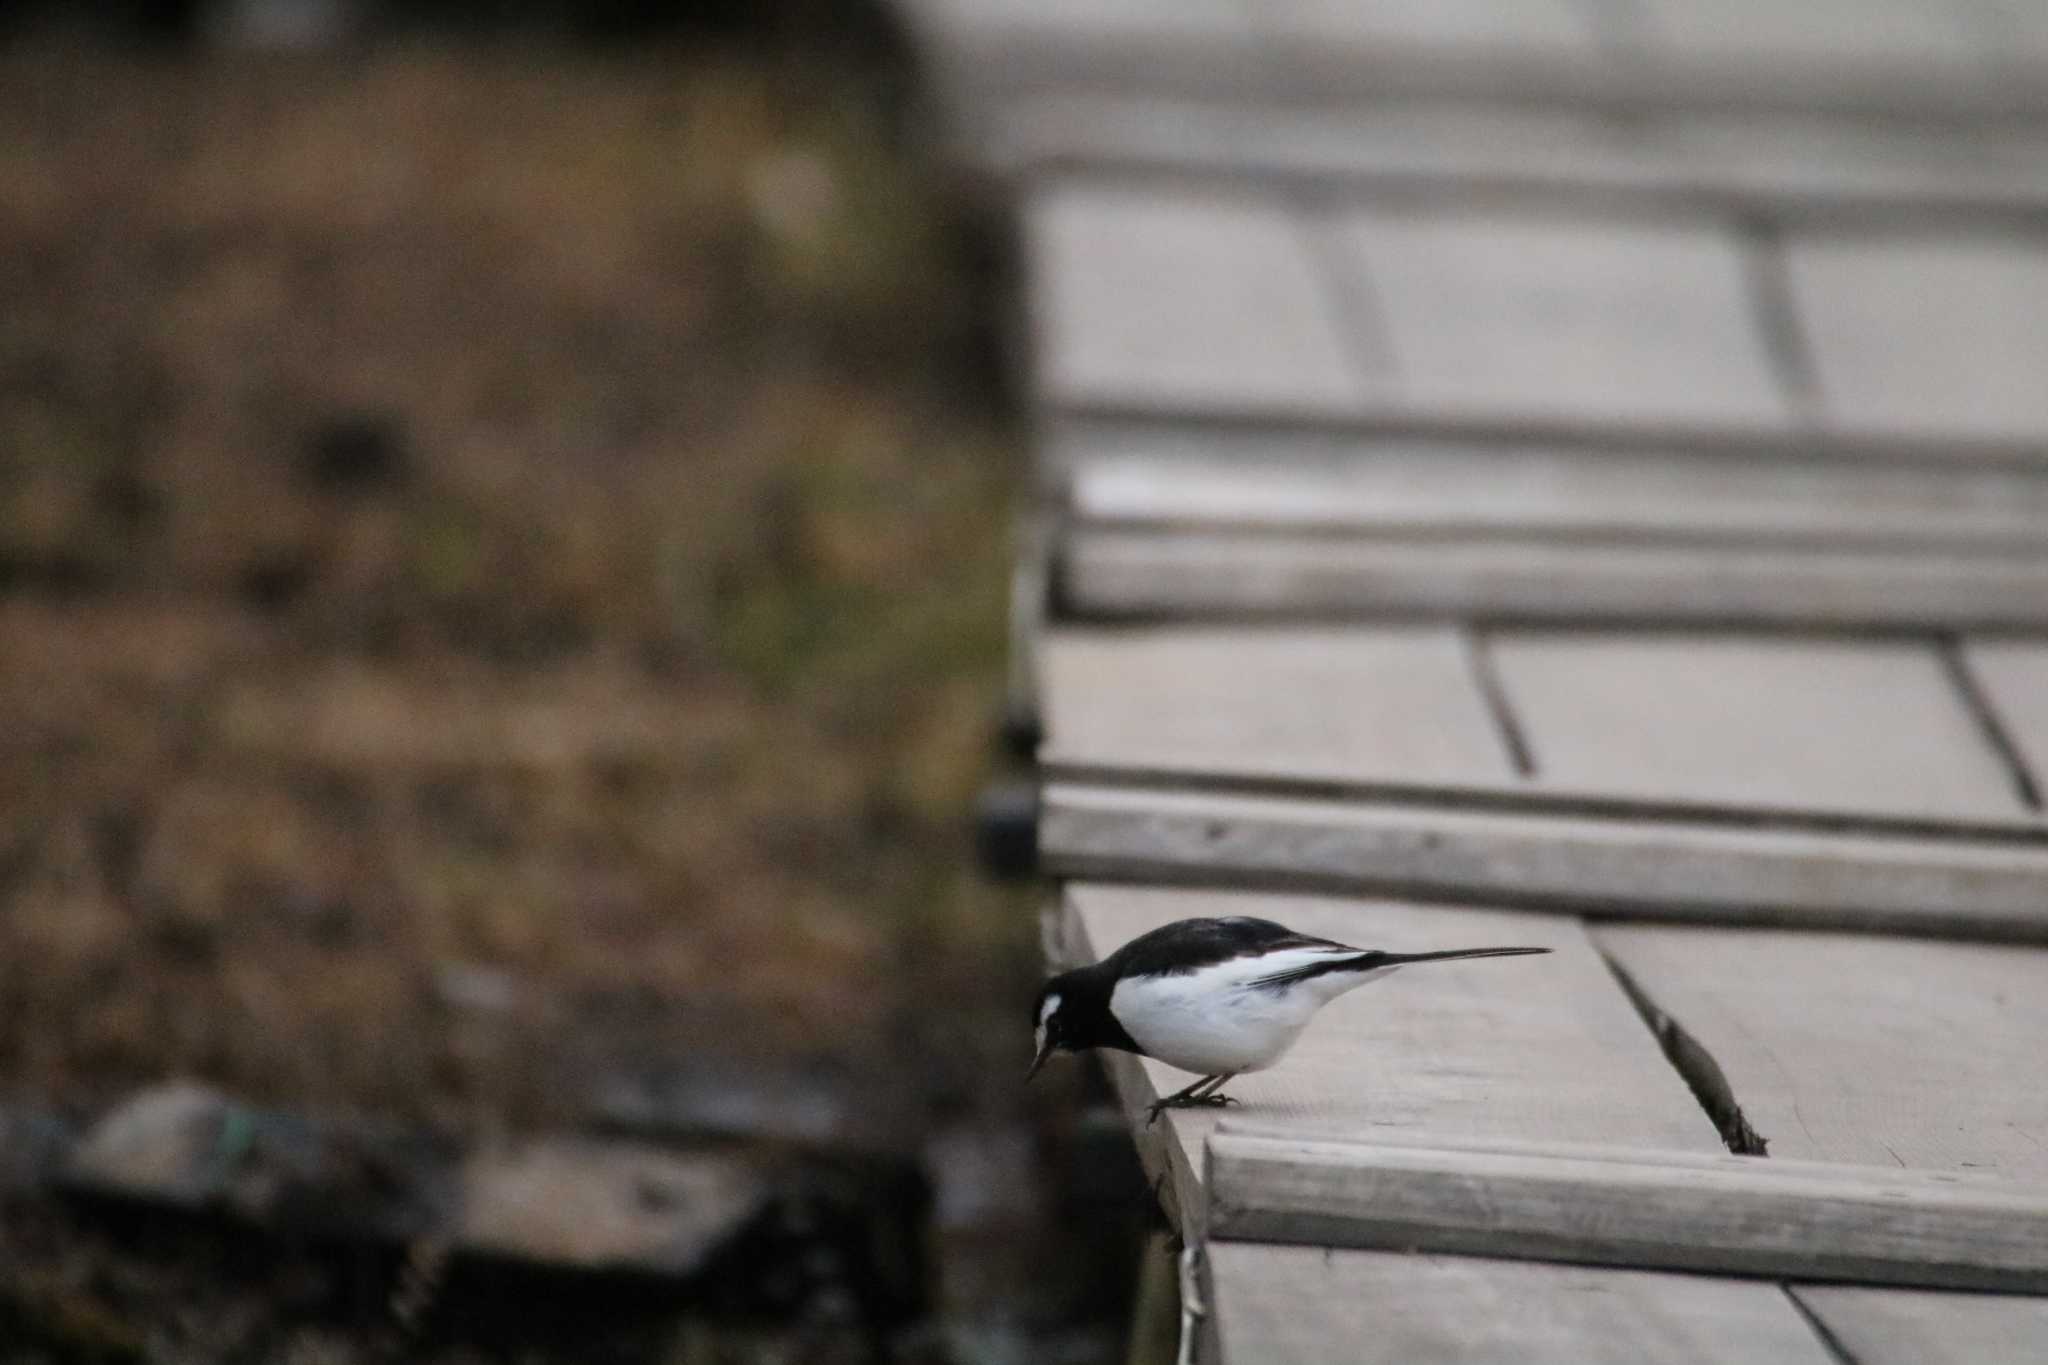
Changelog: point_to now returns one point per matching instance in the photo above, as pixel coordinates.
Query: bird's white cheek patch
(1045, 1014)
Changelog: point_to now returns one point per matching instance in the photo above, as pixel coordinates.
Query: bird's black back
(1190, 944)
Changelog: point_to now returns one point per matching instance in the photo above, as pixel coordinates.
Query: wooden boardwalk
(1569, 473)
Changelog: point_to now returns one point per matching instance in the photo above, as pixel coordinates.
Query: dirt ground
(501, 584)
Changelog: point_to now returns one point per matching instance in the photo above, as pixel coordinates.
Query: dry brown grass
(653, 679)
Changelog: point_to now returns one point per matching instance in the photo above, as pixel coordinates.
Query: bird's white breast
(1215, 1020)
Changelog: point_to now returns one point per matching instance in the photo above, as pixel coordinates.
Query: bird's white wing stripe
(1217, 1019)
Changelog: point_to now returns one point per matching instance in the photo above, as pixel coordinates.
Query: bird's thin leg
(1176, 1099)
(1202, 1092)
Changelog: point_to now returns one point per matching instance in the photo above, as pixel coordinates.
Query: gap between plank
(1978, 703)
(1829, 1342)
(1695, 1066)
(1479, 660)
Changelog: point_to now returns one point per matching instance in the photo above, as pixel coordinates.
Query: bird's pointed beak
(1045, 1050)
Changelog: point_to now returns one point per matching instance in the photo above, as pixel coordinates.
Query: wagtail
(1218, 997)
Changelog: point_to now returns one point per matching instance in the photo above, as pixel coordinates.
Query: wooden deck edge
(1804, 1220)
(1000, 59)
(1118, 136)
(1116, 574)
(1379, 417)
(1171, 1163)
(1641, 868)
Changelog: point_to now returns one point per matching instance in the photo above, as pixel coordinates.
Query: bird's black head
(1054, 1020)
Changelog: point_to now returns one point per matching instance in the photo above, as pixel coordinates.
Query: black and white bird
(1218, 997)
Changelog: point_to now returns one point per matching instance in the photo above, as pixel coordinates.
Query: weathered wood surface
(1553, 1052)
(1233, 575)
(1522, 26)
(1191, 301)
(1533, 317)
(1860, 728)
(1891, 1052)
(1846, 725)
(1181, 478)
(1248, 306)
(1313, 1306)
(1796, 168)
(1926, 1327)
(1909, 36)
(1940, 333)
(1645, 1208)
(1393, 704)
(1913, 55)
(1189, 524)
(1639, 867)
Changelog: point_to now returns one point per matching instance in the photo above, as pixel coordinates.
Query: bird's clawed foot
(1212, 1101)
(1203, 1093)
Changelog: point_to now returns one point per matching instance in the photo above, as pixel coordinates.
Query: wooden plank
(1650, 865)
(1906, 35)
(1870, 163)
(1315, 1306)
(1519, 27)
(2014, 677)
(1850, 725)
(1115, 573)
(1536, 318)
(1641, 1208)
(1092, 21)
(1182, 300)
(1921, 1327)
(1346, 705)
(983, 47)
(1848, 1048)
(995, 49)
(1794, 167)
(1187, 479)
(1929, 334)
(2022, 27)
(1564, 1058)
(1165, 522)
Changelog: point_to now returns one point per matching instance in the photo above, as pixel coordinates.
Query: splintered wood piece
(1886, 1051)
(1315, 1306)
(1640, 1208)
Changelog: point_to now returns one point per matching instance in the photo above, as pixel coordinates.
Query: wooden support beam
(1642, 867)
(1645, 1209)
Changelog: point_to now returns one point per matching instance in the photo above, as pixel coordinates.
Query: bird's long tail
(1366, 960)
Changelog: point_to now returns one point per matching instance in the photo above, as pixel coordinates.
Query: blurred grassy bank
(501, 571)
